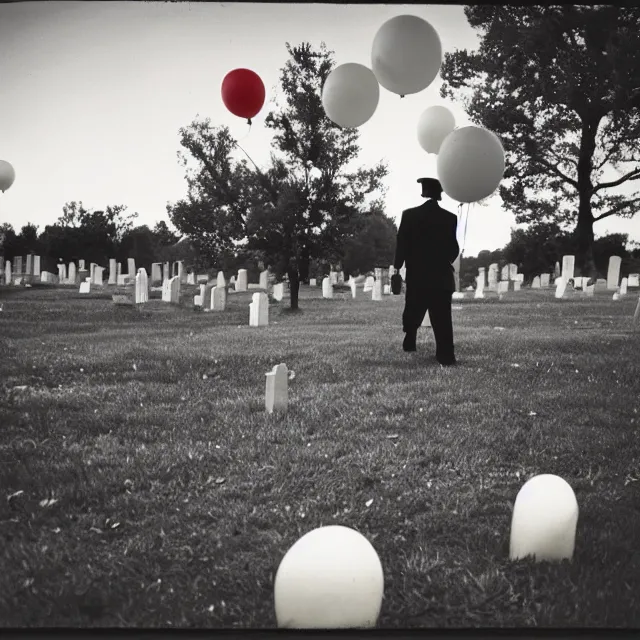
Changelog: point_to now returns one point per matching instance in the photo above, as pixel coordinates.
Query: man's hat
(430, 187)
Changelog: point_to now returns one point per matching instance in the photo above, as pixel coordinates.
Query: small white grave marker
(278, 291)
(327, 288)
(561, 287)
(85, 287)
(218, 298)
(544, 521)
(277, 391)
(259, 310)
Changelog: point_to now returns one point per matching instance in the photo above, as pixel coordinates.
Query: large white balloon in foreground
(434, 125)
(406, 54)
(331, 578)
(470, 164)
(544, 520)
(7, 175)
(350, 95)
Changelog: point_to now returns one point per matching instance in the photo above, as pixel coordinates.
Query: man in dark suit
(428, 246)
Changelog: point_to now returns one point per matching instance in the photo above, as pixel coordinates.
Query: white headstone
(203, 277)
(623, 286)
(613, 273)
(218, 298)
(98, 273)
(327, 288)
(73, 276)
(113, 275)
(544, 280)
(505, 273)
(277, 391)
(80, 265)
(403, 273)
(544, 521)
(568, 267)
(7, 272)
(368, 283)
(182, 273)
(376, 293)
(85, 287)
(166, 271)
(278, 291)
(503, 286)
(333, 276)
(62, 272)
(191, 278)
(561, 287)
(536, 283)
(131, 267)
(220, 281)
(141, 287)
(259, 310)
(171, 290)
(426, 321)
(387, 289)
(36, 266)
(634, 280)
(156, 273)
(264, 279)
(513, 271)
(480, 285)
(517, 285)
(241, 282)
(312, 282)
(493, 277)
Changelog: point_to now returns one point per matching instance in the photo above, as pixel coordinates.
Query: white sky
(93, 95)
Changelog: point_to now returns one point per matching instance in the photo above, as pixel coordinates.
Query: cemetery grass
(144, 485)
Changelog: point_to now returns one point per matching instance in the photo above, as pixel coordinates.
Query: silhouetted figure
(428, 246)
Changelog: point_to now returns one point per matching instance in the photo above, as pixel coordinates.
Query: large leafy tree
(561, 87)
(296, 209)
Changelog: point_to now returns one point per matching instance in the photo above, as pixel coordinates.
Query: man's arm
(401, 243)
(455, 247)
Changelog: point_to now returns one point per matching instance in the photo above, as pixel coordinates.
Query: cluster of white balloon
(7, 175)
(405, 59)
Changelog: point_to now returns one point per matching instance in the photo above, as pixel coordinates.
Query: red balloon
(243, 93)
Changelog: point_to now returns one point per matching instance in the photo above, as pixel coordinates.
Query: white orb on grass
(545, 516)
(331, 578)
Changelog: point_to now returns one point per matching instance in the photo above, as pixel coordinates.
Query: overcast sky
(94, 93)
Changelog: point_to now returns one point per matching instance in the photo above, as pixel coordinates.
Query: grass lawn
(143, 484)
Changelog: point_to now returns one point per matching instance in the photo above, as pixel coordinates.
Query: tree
(561, 87)
(372, 244)
(114, 218)
(164, 235)
(298, 208)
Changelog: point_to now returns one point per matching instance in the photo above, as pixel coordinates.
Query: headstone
(241, 282)
(519, 277)
(503, 286)
(376, 293)
(182, 273)
(623, 286)
(513, 271)
(83, 276)
(85, 287)
(616, 296)
(131, 267)
(333, 276)
(481, 277)
(62, 272)
(191, 278)
(403, 273)
(166, 271)
(156, 273)
(259, 310)
(327, 288)
(312, 282)
(36, 266)
(613, 273)
(517, 285)
(556, 271)
(600, 285)
(505, 273)
(264, 280)
(7, 272)
(278, 291)
(113, 271)
(218, 298)
(171, 290)
(493, 277)
(17, 261)
(142, 287)
(47, 277)
(568, 267)
(457, 295)
(81, 265)
(634, 280)
(578, 281)
(118, 272)
(544, 521)
(426, 321)
(340, 277)
(276, 395)
(73, 276)
(368, 283)
(536, 283)
(479, 285)
(97, 275)
(387, 289)
(29, 265)
(561, 287)
(352, 284)
(123, 280)
(203, 277)
(545, 280)
(590, 289)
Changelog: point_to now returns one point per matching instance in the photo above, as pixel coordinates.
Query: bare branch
(617, 209)
(632, 175)
(554, 168)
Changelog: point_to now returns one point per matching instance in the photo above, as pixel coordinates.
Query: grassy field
(143, 484)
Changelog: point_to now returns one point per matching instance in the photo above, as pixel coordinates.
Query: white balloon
(470, 164)
(406, 54)
(350, 95)
(330, 578)
(434, 125)
(7, 175)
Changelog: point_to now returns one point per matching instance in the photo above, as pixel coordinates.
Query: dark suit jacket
(427, 244)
